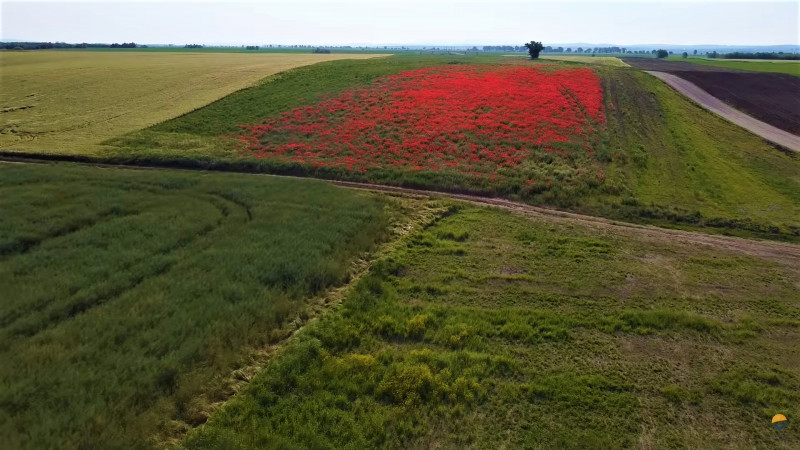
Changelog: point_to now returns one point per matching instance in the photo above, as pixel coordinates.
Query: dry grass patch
(70, 102)
(602, 60)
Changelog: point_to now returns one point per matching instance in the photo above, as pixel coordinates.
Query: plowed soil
(773, 98)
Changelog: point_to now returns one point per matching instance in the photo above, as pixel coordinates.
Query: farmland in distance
(761, 95)
(71, 101)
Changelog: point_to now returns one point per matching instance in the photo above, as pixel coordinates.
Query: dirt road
(777, 251)
(781, 252)
(717, 106)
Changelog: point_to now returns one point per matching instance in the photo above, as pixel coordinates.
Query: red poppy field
(497, 128)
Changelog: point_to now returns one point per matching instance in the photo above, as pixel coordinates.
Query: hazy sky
(412, 22)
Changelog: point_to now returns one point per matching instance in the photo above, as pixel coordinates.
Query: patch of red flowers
(479, 121)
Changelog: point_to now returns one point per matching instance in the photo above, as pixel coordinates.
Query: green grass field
(756, 65)
(491, 330)
(130, 296)
(679, 163)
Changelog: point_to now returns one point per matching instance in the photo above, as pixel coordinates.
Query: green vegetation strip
(675, 163)
(128, 294)
(489, 330)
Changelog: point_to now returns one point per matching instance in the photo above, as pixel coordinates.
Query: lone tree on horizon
(534, 48)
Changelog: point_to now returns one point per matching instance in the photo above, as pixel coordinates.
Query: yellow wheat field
(71, 101)
(602, 60)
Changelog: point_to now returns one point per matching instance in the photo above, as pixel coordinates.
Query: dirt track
(781, 252)
(777, 251)
(717, 106)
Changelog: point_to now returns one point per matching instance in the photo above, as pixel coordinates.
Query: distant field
(240, 49)
(757, 65)
(490, 330)
(128, 297)
(762, 95)
(71, 101)
(601, 60)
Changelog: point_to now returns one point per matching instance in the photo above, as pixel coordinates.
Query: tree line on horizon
(52, 45)
(29, 45)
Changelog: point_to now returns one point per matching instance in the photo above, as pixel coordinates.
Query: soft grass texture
(128, 294)
(673, 161)
(665, 160)
(68, 102)
(490, 330)
(755, 65)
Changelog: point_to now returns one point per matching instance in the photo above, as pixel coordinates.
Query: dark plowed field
(770, 97)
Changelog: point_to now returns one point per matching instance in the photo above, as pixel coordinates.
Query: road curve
(717, 106)
(781, 252)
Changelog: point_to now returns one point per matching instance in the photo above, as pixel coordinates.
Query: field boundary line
(762, 129)
(316, 307)
(779, 251)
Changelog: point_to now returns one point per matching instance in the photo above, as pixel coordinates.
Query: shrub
(407, 384)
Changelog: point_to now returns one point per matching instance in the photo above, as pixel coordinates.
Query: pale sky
(410, 22)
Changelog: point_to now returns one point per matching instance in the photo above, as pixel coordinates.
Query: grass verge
(674, 162)
(487, 329)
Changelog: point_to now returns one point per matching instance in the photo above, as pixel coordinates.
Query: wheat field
(71, 101)
(601, 60)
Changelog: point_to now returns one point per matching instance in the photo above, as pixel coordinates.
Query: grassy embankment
(488, 329)
(68, 102)
(666, 161)
(777, 66)
(129, 297)
(681, 164)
